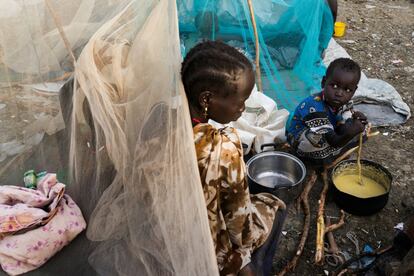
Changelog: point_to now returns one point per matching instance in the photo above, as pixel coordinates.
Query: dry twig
(335, 226)
(307, 187)
(320, 224)
(342, 157)
(333, 247)
(59, 26)
(343, 272)
(303, 198)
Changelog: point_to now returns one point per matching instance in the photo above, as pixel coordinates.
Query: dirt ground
(380, 37)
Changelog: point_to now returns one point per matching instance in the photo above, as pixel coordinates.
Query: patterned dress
(239, 222)
(306, 131)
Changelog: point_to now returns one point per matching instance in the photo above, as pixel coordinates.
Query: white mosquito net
(118, 133)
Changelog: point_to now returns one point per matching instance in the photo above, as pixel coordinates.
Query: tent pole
(256, 37)
(58, 24)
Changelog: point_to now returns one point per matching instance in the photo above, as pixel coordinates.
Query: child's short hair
(211, 66)
(345, 64)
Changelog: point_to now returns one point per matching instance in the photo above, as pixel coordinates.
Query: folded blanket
(35, 224)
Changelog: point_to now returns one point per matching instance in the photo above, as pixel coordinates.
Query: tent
(90, 89)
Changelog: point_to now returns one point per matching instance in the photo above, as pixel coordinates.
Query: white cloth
(262, 122)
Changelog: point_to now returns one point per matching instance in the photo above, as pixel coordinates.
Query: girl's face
(227, 109)
(339, 87)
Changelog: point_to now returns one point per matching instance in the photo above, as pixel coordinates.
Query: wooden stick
(361, 137)
(64, 76)
(343, 272)
(320, 224)
(256, 37)
(349, 152)
(333, 247)
(369, 131)
(335, 226)
(340, 158)
(58, 24)
(308, 186)
(303, 198)
(372, 134)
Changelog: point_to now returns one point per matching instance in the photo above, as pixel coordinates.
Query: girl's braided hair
(212, 66)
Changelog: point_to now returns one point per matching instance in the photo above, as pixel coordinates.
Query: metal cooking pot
(276, 172)
(362, 206)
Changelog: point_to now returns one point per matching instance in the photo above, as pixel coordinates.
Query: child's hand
(357, 115)
(357, 126)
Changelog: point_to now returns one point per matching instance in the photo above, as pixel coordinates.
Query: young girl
(217, 80)
(320, 131)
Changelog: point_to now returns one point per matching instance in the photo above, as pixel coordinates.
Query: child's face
(227, 109)
(339, 87)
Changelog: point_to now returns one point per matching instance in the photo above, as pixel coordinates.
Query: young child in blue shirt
(324, 125)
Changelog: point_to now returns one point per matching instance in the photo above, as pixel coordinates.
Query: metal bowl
(276, 172)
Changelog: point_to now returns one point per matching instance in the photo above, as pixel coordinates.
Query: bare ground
(380, 37)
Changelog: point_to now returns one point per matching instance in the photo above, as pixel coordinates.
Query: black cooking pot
(276, 172)
(356, 205)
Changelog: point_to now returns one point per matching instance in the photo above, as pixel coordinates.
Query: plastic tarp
(374, 97)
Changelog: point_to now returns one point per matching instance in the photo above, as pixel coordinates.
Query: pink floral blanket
(35, 224)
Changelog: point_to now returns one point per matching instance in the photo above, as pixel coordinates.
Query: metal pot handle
(268, 145)
(283, 186)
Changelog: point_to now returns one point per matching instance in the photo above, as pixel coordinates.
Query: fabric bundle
(36, 224)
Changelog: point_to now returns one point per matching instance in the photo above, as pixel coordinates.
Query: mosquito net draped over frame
(292, 36)
(118, 133)
(130, 143)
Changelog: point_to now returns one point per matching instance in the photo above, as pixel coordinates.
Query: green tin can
(30, 179)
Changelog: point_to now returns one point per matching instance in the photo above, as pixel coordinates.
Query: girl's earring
(205, 111)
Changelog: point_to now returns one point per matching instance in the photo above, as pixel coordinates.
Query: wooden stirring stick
(359, 152)
(359, 159)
